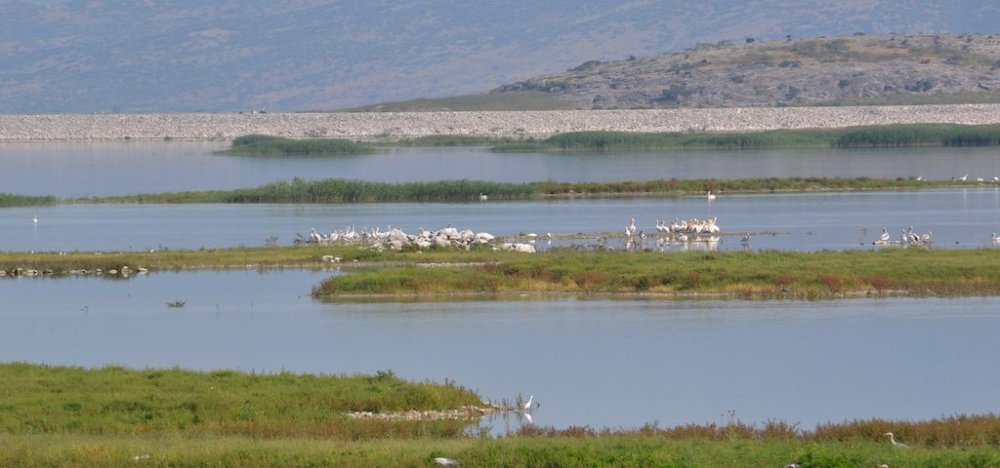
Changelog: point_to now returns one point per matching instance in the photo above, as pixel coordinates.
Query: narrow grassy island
(357, 191)
(266, 145)
(66, 416)
(9, 200)
(876, 136)
(747, 275)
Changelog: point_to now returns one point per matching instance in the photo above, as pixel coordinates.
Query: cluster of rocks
(511, 124)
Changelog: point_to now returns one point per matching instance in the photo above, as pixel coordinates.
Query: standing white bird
(995, 238)
(483, 197)
(709, 195)
(892, 439)
(964, 178)
(885, 235)
(34, 219)
(526, 406)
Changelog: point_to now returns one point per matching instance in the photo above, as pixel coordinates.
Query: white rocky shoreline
(376, 127)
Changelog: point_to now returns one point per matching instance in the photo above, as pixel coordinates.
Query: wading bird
(34, 219)
(526, 406)
(709, 195)
(892, 439)
(885, 235)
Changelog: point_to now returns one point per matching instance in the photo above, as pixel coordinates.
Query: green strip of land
(9, 200)
(266, 145)
(357, 191)
(751, 275)
(64, 416)
(876, 136)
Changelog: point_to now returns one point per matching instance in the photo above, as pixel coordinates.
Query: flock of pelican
(906, 237)
(396, 239)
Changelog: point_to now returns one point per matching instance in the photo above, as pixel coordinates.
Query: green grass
(356, 191)
(770, 275)
(114, 400)
(272, 145)
(878, 136)
(9, 200)
(112, 416)
(755, 275)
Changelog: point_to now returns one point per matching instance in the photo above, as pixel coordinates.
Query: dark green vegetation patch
(272, 145)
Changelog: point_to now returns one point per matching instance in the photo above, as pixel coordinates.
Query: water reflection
(97, 169)
(678, 361)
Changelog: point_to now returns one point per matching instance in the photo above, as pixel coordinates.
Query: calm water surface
(805, 222)
(589, 362)
(97, 169)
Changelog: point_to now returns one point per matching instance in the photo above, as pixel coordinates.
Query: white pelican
(885, 235)
(926, 238)
(892, 439)
(709, 195)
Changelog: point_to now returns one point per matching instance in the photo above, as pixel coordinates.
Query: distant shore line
(389, 126)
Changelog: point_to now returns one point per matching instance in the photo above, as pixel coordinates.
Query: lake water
(97, 169)
(600, 363)
(805, 222)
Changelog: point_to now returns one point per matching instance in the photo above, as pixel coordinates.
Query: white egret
(526, 406)
(892, 439)
(442, 461)
(709, 195)
(964, 178)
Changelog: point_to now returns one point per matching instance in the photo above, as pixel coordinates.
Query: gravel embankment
(387, 126)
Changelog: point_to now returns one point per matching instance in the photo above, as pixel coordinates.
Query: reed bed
(272, 145)
(10, 200)
(355, 191)
(875, 136)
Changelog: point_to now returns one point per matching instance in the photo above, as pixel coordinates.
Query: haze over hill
(218, 55)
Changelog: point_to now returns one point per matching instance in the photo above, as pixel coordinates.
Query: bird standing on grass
(442, 461)
(892, 439)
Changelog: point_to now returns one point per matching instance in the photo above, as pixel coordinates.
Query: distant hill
(889, 69)
(218, 55)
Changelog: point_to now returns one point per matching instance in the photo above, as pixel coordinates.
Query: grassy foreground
(61, 416)
(875, 136)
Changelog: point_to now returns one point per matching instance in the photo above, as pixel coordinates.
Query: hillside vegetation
(884, 69)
